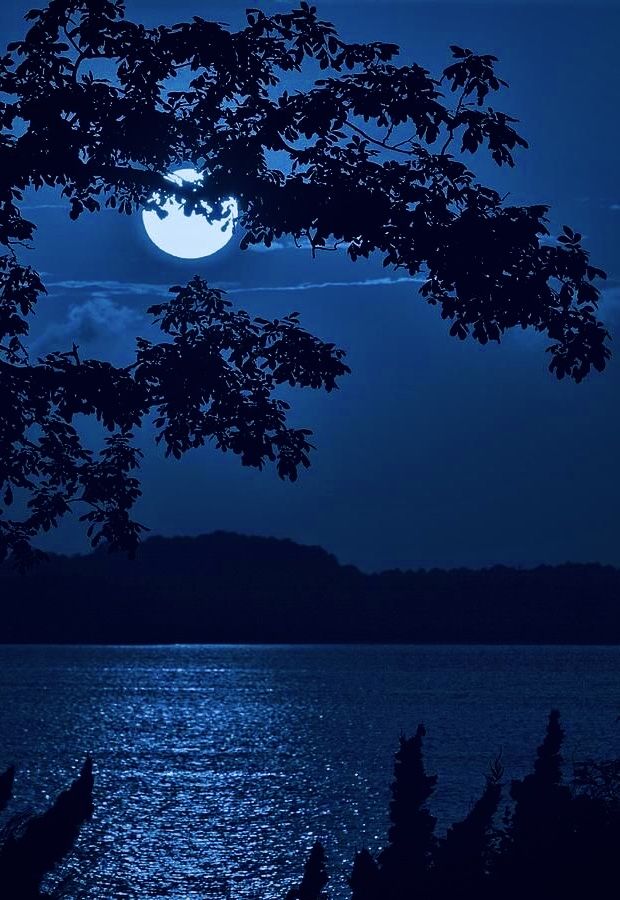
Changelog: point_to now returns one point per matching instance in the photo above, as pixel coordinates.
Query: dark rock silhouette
(34, 846)
(233, 588)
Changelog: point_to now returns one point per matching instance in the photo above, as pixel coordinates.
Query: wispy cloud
(44, 206)
(322, 285)
(104, 290)
(99, 288)
(614, 206)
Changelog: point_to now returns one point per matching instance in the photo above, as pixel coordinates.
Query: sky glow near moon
(194, 236)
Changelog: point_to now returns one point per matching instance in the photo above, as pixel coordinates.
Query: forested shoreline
(225, 587)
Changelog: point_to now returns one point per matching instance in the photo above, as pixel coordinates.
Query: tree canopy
(102, 108)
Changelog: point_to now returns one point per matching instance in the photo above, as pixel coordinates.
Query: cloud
(100, 316)
(609, 307)
(615, 206)
(275, 245)
(88, 322)
(288, 243)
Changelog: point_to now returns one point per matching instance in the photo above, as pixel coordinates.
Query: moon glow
(189, 237)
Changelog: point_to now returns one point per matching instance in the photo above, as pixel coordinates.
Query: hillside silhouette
(225, 587)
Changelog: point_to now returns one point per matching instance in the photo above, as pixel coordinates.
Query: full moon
(193, 236)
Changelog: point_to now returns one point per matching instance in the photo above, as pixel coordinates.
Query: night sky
(434, 452)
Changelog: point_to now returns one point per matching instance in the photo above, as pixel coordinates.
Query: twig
(392, 147)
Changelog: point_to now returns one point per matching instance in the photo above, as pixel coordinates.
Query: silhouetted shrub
(557, 842)
(315, 877)
(404, 863)
(538, 831)
(464, 856)
(32, 847)
(365, 880)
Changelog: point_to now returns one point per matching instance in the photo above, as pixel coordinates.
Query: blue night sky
(434, 452)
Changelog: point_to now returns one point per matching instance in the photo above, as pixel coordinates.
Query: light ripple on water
(219, 766)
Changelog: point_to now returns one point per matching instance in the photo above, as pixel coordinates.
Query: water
(218, 766)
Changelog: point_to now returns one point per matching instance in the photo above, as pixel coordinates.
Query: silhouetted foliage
(540, 823)
(599, 780)
(465, 854)
(365, 881)
(33, 847)
(558, 842)
(596, 828)
(6, 786)
(315, 877)
(363, 162)
(404, 863)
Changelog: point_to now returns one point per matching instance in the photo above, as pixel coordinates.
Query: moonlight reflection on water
(220, 765)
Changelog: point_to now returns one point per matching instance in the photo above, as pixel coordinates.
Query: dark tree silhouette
(32, 848)
(559, 842)
(315, 877)
(540, 797)
(365, 881)
(364, 160)
(6, 786)
(465, 854)
(404, 863)
(595, 828)
(540, 824)
(599, 780)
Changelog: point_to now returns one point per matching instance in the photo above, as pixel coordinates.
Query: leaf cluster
(101, 108)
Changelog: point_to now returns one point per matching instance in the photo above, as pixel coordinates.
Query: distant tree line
(239, 589)
(556, 841)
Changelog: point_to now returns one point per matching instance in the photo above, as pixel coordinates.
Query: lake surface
(217, 766)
